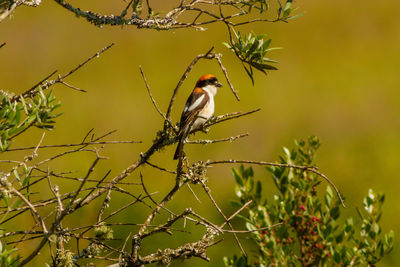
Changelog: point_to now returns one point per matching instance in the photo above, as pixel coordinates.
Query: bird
(199, 108)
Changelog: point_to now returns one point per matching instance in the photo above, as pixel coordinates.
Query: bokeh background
(338, 79)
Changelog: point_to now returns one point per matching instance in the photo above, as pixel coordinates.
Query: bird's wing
(195, 103)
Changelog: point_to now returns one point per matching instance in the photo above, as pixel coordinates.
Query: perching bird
(199, 108)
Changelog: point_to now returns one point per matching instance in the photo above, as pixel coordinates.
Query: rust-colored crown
(206, 77)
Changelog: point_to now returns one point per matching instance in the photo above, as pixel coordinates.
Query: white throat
(211, 89)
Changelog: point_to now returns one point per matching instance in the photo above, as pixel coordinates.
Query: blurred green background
(338, 79)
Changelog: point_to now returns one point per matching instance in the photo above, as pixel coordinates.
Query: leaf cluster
(312, 232)
(6, 257)
(285, 11)
(251, 50)
(260, 5)
(17, 114)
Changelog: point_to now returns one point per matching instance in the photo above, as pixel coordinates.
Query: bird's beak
(218, 84)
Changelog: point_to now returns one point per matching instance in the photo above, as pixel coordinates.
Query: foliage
(18, 113)
(6, 257)
(251, 50)
(311, 232)
(308, 230)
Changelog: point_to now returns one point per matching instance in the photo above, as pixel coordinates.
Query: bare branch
(77, 144)
(151, 97)
(305, 168)
(208, 192)
(205, 142)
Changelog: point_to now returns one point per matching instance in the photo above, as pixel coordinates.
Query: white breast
(206, 113)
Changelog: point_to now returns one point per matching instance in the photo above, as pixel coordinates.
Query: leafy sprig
(312, 232)
(251, 49)
(16, 116)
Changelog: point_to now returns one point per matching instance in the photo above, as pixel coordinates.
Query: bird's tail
(179, 148)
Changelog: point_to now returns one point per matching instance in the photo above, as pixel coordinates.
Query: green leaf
(15, 172)
(336, 257)
(258, 190)
(227, 45)
(250, 184)
(249, 73)
(237, 177)
(5, 200)
(17, 115)
(250, 227)
(296, 16)
(335, 212)
(288, 5)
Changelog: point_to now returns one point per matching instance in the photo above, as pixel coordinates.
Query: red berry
(302, 208)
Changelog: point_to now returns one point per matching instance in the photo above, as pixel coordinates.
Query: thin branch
(226, 117)
(305, 168)
(236, 213)
(32, 208)
(28, 92)
(208, 192)
(70, 86)
(77, 144)
(229, 139)
(160, 168)
(254, 230)
(5, 13)
(151, 97)
(227, 78)
(86, 61)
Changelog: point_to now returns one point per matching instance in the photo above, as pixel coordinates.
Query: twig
(151, 97)
(160, 168)
(236, 213)
(32, 208)
(193, 193)
(86, 61)
(77, 144)
(28, 92)
(208, 192)
(91, 169)
(305, 168)
(226, 117)
(70, 86)
(227, 78)
(254, 230)
(126, 239)
(230, 139)
(86, 136)
(103, 207)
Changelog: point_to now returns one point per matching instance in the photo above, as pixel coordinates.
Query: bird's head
(208, 82)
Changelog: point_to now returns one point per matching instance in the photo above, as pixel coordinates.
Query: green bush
(310, 230)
